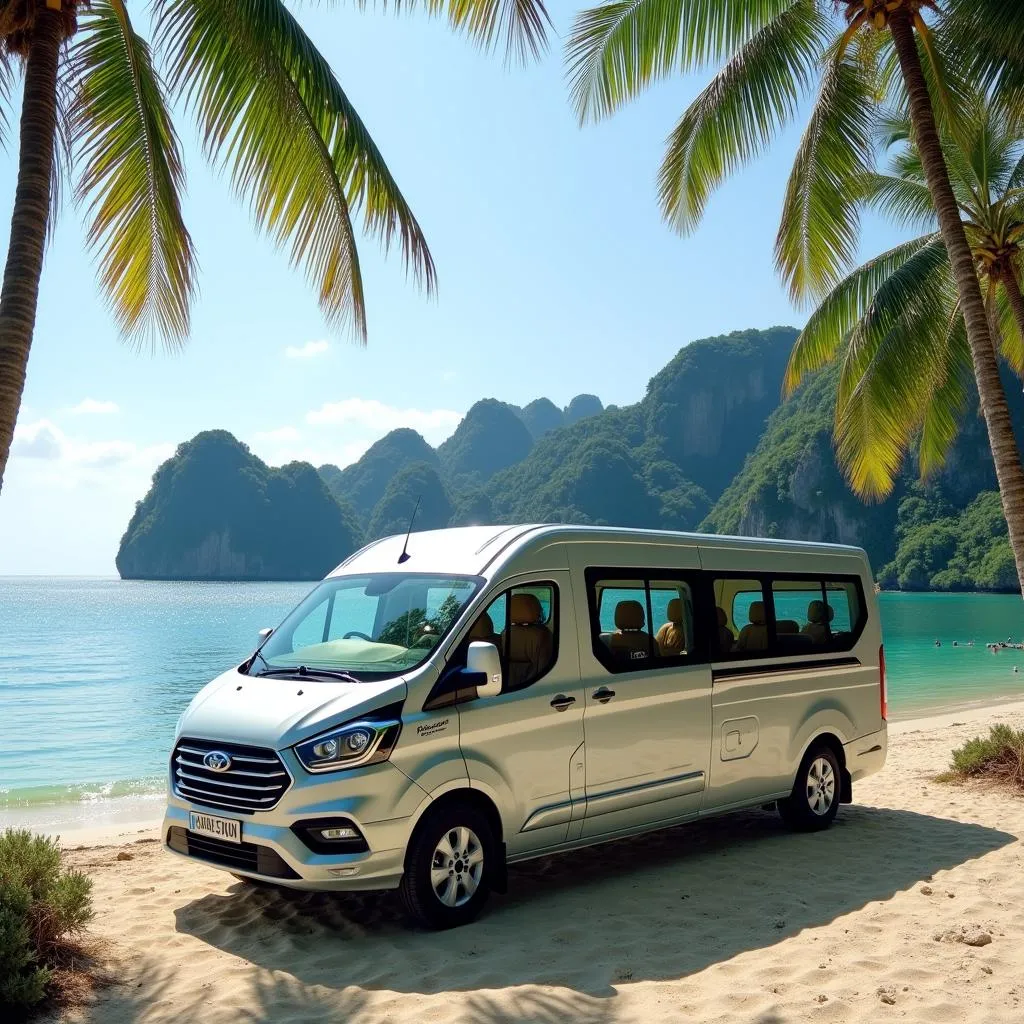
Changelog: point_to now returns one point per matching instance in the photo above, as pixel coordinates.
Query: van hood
(279, 712)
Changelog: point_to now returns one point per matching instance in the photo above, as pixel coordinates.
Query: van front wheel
(814, 802)
(449, 867)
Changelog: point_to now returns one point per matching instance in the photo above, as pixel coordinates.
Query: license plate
(217, 828)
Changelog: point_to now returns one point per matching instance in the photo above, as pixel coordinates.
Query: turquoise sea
(94, 672)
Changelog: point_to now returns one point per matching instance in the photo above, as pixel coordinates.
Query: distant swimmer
(956, 643)
(938, 643)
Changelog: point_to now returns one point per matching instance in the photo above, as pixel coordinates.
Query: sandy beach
(729, 920)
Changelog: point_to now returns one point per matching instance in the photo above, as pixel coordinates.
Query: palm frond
(1011, 338)
(618, 48)
(820, 225)
(739, 112)
(273, 114)
(1016, 179)
(132, 176)
(987, 38)
(893, 367)
(7, 84)
(908, 203)
(520, 26)
(843, 308)
(944, 409)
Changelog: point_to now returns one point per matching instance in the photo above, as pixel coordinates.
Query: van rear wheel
(814, 802)
(449, 867)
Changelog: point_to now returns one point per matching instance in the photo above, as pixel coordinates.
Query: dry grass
(998, 757)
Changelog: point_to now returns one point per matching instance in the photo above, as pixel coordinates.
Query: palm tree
(271, 113)
(775, 52)
(896, 323)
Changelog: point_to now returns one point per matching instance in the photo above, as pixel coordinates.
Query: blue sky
(556, 277)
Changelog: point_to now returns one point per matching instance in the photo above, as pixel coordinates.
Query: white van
(446, 704)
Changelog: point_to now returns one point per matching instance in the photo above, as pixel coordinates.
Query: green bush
(998, 756)
(40, 906)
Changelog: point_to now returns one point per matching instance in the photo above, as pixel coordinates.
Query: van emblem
(217, 761)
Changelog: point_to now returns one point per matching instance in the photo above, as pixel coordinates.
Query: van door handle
(603, 695)
(561, 702)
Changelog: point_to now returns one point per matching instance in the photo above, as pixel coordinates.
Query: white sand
(729, 920)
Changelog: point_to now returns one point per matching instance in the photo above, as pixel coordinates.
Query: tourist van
(452, 702)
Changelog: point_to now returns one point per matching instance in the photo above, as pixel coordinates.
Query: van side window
(814, 615)
(639, 622)
(741, 618)
(523, 624)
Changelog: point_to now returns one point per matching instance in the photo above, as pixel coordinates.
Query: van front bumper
(272, 850)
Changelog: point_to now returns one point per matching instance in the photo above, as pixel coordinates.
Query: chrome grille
(255, 781)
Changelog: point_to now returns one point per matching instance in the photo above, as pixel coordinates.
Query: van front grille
(255, 779)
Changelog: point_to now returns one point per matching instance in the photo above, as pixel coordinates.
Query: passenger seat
(630, 641)
(726, 640)
(483, 630)
(819, 615)
(754, 636)
(530, 643)
(671, 638)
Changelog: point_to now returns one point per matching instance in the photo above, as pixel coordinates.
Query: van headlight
(349, 746)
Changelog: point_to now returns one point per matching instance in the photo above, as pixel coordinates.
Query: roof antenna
(404, 556)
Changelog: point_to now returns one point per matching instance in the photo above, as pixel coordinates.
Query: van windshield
(370, 626)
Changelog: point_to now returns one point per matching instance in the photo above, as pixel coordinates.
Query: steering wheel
(355, 633)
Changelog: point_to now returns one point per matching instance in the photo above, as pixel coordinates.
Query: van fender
(460, 785)
(825, 718)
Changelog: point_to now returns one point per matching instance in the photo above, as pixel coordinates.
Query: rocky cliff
(216, 512)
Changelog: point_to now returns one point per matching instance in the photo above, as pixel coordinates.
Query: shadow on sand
(656, 907)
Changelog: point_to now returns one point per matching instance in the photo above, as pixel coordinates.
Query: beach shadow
(657, 907)
(153, 993)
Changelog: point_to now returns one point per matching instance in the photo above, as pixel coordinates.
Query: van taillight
(883, 696)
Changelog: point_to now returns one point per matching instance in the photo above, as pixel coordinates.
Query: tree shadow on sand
(657, 907)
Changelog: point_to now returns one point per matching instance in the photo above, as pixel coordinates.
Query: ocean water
(94, 672)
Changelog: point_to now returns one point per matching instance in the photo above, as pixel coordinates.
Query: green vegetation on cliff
(941, 548)
(215, 511)
(709, 427)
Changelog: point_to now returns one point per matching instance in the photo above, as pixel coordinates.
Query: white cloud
(279, 435)
(377, 419)
(69, 460)
(91, 407)
(310, 350)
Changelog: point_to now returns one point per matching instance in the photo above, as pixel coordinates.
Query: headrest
(483, 627)
(787, 626)
(675, 610)
(756, 613)
(525, 610)
(629, 615)
(816, 611)
(723, 619)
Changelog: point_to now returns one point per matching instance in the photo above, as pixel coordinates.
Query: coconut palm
(895, 322)
(776, 52)
(270, 112)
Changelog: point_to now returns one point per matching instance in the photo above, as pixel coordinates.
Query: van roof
(470, 550)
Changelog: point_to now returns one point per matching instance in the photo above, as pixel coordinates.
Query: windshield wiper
(302, 670)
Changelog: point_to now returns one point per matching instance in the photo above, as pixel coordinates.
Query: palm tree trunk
(1012, 288)
(20, 292)
(1005, 453)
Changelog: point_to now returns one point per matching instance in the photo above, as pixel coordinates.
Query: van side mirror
(263, 634)
(482, 659)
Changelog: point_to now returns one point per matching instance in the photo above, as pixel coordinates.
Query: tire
(458, 839)
(814, 802)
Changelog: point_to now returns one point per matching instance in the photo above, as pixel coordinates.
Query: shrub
(40, 906)
(998, 756)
